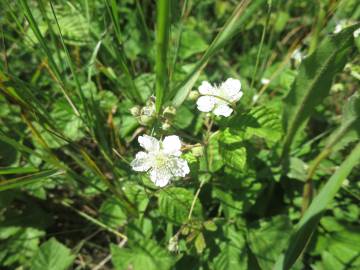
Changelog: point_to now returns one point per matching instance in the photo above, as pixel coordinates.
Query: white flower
(161, 160)
(216, 99)
(297, 56)
(340, 26)
(356, 33)
(265, 81)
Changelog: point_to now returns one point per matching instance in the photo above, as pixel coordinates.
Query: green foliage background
(274, 186)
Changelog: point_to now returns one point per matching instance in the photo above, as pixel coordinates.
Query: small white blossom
(216, 99)
(340, 26)
(356, 33)
(297, 55)
(161, 159)
(265, 81)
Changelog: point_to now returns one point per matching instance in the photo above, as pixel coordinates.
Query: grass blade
(231, 27)
(29, 179)
(17, 170)
(313, 83)
(307, 225)
(120, 55)
(162, 44)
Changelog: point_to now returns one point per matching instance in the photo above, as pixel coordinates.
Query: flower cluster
(161, 159)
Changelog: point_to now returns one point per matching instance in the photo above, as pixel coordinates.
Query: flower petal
(205, 103)
(231, 88)
(171, 145)
(179, 167)
(223, 110)
(149, 143)
(160, 176)
(141, 163)
(205, 88)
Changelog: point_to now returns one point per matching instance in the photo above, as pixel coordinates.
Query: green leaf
(308, 223)
(191, 43)
(263, 236)
(144, 255)
(18, 245)
(214, 159)
(313, 82)
(112, 214)
(232, 150)
(233, 254)
(175, 204)
(261, 121)
(52, 255)
(200, 243)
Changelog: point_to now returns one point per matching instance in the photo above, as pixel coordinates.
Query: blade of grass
(17, 170)
(308, 223)
(20, 182)
(54, 68)
(88, 119)
(162, 44)
(121, 57)
(241, 14)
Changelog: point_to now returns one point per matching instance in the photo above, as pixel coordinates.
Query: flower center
(160, 160)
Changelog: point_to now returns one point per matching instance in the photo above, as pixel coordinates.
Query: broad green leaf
(242, 12)
(112, 214)
(233, 253)
(232, 150)
(18, 245)
(175, 204)
(144, 255)
(52, 255)
(268, 238)
(261, 121)
(191, 43)
(341, 241)
(313, 82)
(308, 223)
(29, 179)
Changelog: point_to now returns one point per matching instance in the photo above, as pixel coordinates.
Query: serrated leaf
(233, 254)
(232, 150)
(112, 214)
(52, 255)
(175, 204)
(313, 82)
(261, 121)
(145, 255)
(263, 235)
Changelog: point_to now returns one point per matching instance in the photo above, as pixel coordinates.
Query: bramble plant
(179, 134)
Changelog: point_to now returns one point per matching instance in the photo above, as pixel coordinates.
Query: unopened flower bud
(135, 111)
(145, 120)
(197, 151)
(166, 125)
(169, 112)
(193, 95)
